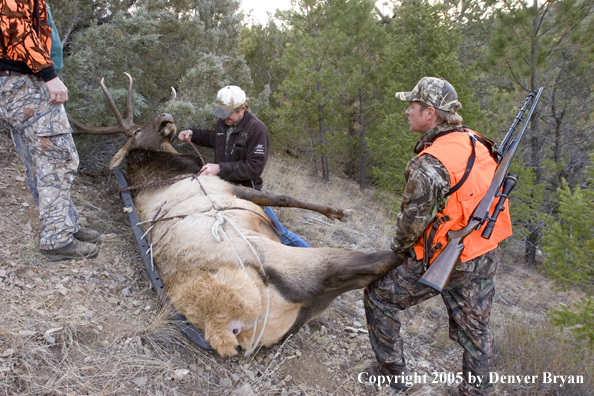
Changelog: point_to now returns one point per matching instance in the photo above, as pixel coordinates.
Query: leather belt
(4, 72)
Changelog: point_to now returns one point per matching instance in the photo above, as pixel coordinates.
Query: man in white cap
(241, 142)
(445, 181)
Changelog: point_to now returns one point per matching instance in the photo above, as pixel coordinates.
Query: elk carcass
(220, 257)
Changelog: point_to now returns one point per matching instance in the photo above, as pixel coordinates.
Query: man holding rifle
(445, 182)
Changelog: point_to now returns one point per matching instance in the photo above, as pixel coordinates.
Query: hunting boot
(75, 250)
(87, 235)
(396, 371)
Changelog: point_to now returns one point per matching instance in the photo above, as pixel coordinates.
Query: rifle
(438, 274)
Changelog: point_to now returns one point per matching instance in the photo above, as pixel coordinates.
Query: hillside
(95, 327)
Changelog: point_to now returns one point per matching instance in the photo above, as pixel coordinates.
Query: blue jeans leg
(289, 238)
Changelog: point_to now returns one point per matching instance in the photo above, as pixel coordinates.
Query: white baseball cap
(229, 98)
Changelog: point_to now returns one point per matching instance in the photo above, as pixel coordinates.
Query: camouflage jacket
(427, 182)
(26, 38)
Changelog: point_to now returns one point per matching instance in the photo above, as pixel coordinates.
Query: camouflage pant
(43, 138)
(468, 299)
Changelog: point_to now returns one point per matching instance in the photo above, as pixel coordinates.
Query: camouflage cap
(434, 92)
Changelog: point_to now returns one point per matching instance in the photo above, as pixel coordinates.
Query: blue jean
(289, 238)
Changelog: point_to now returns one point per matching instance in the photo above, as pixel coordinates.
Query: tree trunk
(314, 162)
(535, 140)
(363, 147)
(325, 172)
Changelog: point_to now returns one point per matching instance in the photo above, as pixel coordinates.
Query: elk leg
(263, 199)
(359, 272)
(353, 274)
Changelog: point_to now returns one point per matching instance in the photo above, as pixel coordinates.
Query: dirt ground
(95, 327)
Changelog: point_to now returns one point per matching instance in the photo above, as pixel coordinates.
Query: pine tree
(569, 248)
(325, 41)
(569, 243)
(549, 44)
(421, 42)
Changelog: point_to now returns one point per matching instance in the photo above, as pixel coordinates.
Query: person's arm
(427, 183)
(203, 137)
(256, 156)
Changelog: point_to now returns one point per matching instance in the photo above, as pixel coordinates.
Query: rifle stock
(439, 272)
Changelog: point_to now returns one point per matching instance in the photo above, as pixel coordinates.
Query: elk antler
(125, 126)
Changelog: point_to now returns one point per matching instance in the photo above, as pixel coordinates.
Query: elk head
(155, 135)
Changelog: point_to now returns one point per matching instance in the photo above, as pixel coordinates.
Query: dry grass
(69, 329)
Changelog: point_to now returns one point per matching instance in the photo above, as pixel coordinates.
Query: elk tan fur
(223, 287)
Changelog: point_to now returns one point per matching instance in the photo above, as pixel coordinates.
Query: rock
(7, 353)
(369, 387)
(126, 292)
(62, 290)
(179, 374)
(26, 273)
(89, 314)
(357, 324)
(225, 383)
(243, 390)
(250, 374)
(140, 381)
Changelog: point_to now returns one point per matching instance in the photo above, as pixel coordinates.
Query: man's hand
(57, 90)
(210, 169)
(185, 136)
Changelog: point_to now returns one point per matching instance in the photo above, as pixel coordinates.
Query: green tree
(569, 242)
(549, 44)
(421, 41)
(161, 45)
(364, 91)
(569, 248)
(325, 39)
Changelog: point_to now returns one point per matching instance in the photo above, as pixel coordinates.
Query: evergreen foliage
(548, 44)
(569, 245)
(161, 44)
(569, 242)
(421, 41)
(580, 320)
(327, 56)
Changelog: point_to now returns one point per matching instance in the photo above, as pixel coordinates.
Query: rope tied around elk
(216, 230)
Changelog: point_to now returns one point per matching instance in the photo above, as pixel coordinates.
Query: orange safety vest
(453, 150)
(26, 34)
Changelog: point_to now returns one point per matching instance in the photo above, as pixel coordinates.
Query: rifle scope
(508, 185)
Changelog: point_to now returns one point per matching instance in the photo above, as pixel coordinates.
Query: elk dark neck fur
(145, 166)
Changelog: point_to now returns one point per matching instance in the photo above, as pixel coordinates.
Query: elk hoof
(346, 214)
